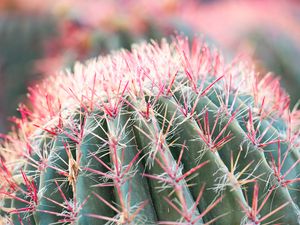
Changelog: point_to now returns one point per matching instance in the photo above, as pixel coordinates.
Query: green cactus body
(166, 134)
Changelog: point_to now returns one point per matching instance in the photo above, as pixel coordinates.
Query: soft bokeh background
(40, 37)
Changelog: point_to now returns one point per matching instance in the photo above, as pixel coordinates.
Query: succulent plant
(164, 134)
(17, 57)
(278, 52)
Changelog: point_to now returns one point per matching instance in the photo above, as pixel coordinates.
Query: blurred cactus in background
(277, 52)
(85, 33)
(21, 43)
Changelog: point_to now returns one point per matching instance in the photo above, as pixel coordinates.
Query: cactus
(164, 134)
(17, 57)
(277, 51)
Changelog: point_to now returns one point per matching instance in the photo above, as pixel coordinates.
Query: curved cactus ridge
(163, 134)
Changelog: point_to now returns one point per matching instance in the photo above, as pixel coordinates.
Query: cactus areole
(164, 134)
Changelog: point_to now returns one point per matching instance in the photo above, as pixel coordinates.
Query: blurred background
(40, 37)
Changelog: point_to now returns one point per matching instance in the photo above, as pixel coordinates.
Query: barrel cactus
(162, 134)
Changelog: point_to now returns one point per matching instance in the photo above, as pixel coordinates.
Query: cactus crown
(166, 133)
